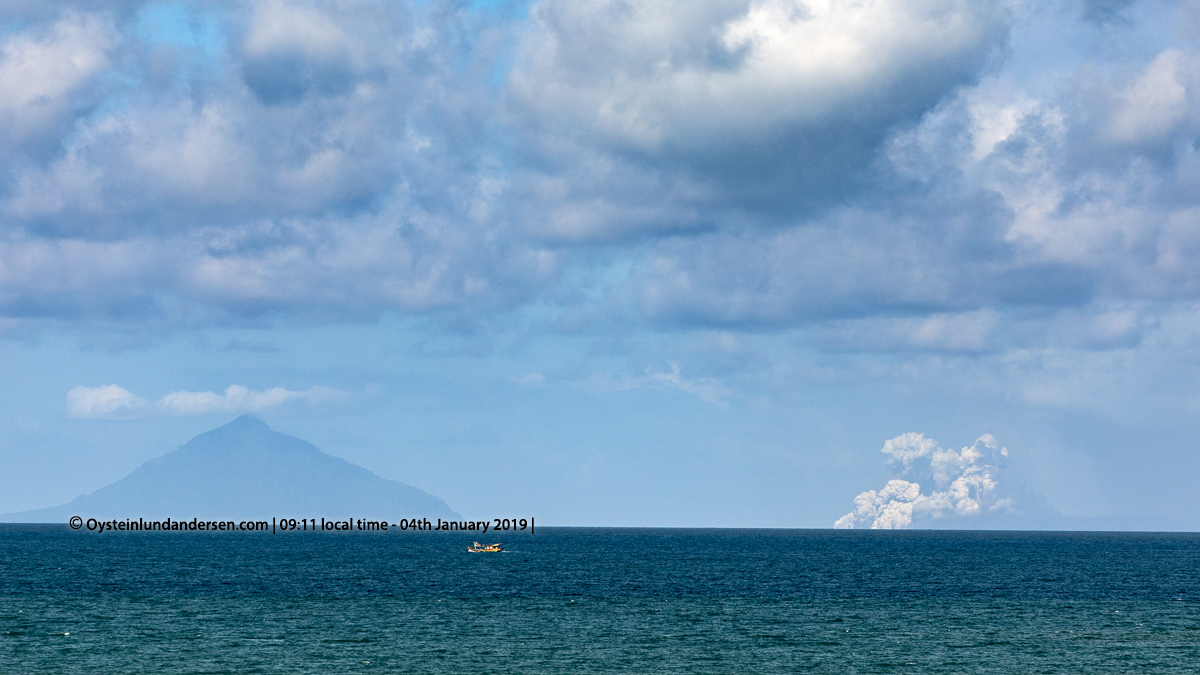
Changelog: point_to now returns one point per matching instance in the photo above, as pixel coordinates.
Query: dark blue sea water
(601, 601)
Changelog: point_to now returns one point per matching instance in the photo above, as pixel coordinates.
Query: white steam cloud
(961, 483)
(111, 401)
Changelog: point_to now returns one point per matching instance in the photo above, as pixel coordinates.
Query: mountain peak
(245, 469)
(246, 421)
(236, 433)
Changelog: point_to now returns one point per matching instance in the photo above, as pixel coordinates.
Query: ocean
(594, 600)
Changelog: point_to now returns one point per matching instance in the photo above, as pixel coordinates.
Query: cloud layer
(920, 175)
(759, 108)
(113, 402)
(958, 484)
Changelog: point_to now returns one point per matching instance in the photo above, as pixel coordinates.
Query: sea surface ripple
(574, 600)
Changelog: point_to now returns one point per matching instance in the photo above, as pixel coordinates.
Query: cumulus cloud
(42, 70)
(1001, 212)
(241, 399)
(667, 73)
(958, 483)
(877, 176)
(731, 104)
(1152, 106)
(104, 401)
(280, 140)
(111, 401)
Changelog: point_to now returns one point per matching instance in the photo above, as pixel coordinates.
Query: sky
(728, 263)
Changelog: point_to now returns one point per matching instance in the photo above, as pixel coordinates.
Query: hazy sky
(628, 262)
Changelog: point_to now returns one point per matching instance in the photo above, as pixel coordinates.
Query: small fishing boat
(485, 548)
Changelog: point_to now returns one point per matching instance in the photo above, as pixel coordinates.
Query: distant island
(246, 470)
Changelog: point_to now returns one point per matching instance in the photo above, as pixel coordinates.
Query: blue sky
(627, 263)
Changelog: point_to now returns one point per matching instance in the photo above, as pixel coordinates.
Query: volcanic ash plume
(962, 483)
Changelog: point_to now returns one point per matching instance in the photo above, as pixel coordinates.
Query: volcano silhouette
(246, 470)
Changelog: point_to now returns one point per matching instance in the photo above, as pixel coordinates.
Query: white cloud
(40, 70)
(1156, 102)
(959, 483)
(708, 390)
(240, 399)
(686, 74)
(281, 27)
(111, 401)
(863, 171)
(104, 401)
(662, 116)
